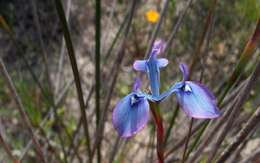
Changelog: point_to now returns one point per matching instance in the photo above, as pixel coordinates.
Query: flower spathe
(131, 113)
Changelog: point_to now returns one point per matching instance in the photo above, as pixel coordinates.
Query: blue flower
(131, 113)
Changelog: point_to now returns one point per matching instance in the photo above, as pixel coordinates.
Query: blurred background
(214, 37)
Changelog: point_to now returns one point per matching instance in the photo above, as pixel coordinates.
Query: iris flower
(131, 113)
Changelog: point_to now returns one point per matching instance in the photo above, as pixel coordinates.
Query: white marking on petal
(187, 88)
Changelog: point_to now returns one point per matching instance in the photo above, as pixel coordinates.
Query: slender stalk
(182, 141)
(172, 122)
(62, 52)
(155, 108)
(74, 66)
(97, 70)
(187, 141)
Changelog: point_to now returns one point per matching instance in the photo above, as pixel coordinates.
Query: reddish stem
(159, 129)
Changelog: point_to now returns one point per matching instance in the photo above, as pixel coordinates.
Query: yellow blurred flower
(152, 16)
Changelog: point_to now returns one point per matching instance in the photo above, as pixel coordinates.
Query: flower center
(134, 99)
(187, 88)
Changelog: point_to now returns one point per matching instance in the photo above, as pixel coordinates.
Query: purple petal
(185, 71)
(130, 115)
(206, 90)
(197, 102)
(158, 47)
(140, 65)
(162, 62)
(137, 84)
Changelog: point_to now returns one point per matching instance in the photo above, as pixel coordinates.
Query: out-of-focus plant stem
(62, 52)
(48, 97)
(108, 53)
(5, 26)
(7, 149)
(155, 109)
(9, 30)
(74, 66)
(47, 74)
(241, 136)
(187, 141)
(114, 74)
(236, 108)
(21, 109)
(206, 28)
(97, 70)
(245, 57)
(172, 122)
(42, 46)
(177, 26)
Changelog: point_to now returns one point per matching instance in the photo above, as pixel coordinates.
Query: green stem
(155, 108)
(97, 70)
